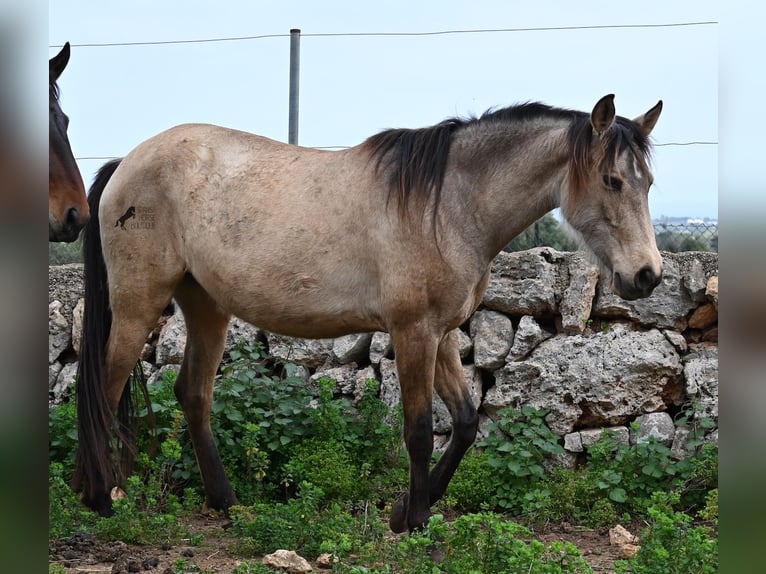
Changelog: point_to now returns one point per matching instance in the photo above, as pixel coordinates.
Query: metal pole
(295, 65)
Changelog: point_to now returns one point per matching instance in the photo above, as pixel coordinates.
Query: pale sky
(355, 85)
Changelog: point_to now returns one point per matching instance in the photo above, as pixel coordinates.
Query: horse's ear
(58, 62)
(649, 119)
(602, 116)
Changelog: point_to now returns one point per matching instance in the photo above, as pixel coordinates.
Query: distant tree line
(62, 253)
(546, 231)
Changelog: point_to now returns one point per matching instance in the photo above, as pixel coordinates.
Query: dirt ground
(84, 554)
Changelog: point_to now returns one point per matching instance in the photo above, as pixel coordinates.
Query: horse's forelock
(622, 134)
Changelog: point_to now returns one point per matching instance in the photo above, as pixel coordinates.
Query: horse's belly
(299, 304)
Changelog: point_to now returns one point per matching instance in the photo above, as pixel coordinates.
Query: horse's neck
(511, 177)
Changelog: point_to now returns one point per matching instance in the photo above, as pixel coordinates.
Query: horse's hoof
(398, 519)
(101, 505)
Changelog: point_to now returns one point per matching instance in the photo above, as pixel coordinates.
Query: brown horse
(68, 209)
(396, 234)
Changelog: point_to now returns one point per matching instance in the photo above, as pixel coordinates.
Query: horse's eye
(613, 183)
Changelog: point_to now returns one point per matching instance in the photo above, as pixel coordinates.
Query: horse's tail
(95, 471)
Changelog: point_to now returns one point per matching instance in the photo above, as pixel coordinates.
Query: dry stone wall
(549, 333)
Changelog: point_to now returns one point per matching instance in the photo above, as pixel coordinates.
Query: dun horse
(396, 234)
(67, 203)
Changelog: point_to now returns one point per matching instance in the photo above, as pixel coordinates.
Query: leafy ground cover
(316, 474)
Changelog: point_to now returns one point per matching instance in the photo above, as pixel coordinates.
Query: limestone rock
(390, 394)
(590, 437)
(573, 442)
(349, 379)
(577, 301)
(65, 284)
(694, 281)
(62, 387)
(528, 336)
(626, 543)
(628, 550)
(602, 379)
(525, 282)
(310, 353)
(680, 439)
(172, 340)
(77, 315)
(580, 441)
(240, 331)
(654, 425)
(326, 561)
(53, 372)
(287, 561)
(464, 343)
(677, 340)
(380, 347)
(492, 334)
(701, 375)
(352, 348)
(620, 535)
(59, 331)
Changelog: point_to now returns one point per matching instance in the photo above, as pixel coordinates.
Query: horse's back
(279, 235)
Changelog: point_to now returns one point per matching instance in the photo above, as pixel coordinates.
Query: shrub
(671, 544)
(516, 447)
(630, 474)
(62, 434)
(307, 524)
(710, 512)
(327, 465)
(476, 543)
(66, 514)
(474, 484)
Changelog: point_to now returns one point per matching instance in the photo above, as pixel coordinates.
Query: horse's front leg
(415, 363)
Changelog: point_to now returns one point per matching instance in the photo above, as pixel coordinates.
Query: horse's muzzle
(70, 228)
(642, 285)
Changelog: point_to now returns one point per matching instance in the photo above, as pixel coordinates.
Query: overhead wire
(390, 34)
(402, 34)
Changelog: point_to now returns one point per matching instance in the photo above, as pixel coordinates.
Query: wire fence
(673, 236)
(687, 236)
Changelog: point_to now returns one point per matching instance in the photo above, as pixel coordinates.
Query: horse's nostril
(646, 278)
(74, 219)
(72, 216)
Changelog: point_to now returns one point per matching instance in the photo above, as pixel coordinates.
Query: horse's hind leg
(132, 321)
(206, 326)
(452, 388)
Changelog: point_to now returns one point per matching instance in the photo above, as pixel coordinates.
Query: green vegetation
(671, 543)
(314, 474)
(545, 231)
(62, 253)
(673, 237)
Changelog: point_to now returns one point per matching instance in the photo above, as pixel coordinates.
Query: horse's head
(67, 203)
(607, 199)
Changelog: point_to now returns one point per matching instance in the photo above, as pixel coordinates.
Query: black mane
(415, 160)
